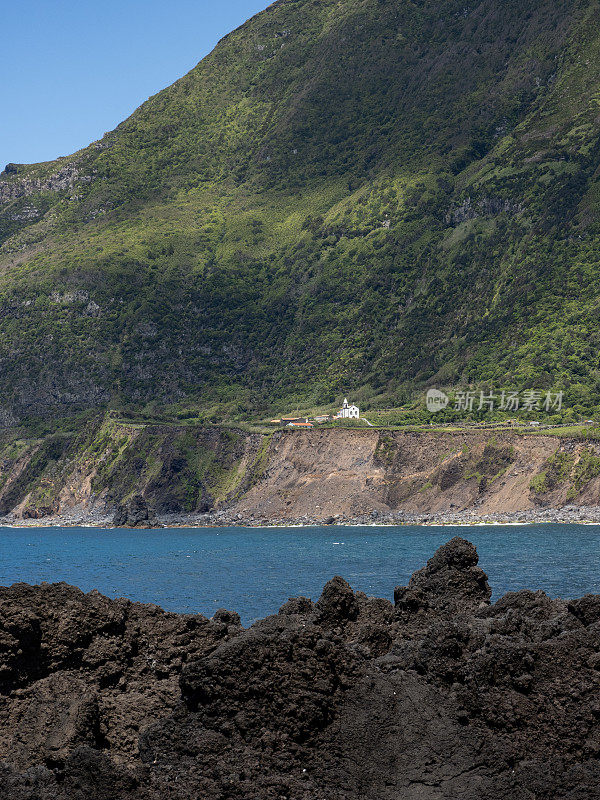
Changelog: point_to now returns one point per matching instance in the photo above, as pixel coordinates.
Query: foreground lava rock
(441, 695)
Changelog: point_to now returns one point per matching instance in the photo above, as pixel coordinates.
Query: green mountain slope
(373, 194)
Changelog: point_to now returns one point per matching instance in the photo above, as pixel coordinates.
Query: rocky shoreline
(567, 515)
(147, 519)
(436, 696)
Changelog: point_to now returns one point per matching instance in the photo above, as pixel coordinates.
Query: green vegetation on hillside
(181, 468)
(367, 196)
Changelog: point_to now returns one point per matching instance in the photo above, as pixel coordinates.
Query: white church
(347, 411)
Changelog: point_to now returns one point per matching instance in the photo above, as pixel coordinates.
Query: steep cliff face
(437, 696)
(317, 474)
(353, 473)
(175, 469)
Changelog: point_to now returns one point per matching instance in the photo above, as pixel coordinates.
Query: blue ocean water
(253, 571)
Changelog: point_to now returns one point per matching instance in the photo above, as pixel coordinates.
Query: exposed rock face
(61, 180)
(484, 207)
(135, 514)
(320, 475)
(442, 696)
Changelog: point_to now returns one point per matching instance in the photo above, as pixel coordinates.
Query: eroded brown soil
(218, 476)
(326, 473)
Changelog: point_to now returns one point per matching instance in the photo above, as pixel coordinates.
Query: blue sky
(73, 69)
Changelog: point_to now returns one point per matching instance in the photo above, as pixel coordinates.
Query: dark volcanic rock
(78, 669)
(443, 696)
(135, 514)
(337, 603)
(451, 583)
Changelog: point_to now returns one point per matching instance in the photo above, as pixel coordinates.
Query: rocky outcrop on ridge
(63, 179)
(436, 697)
